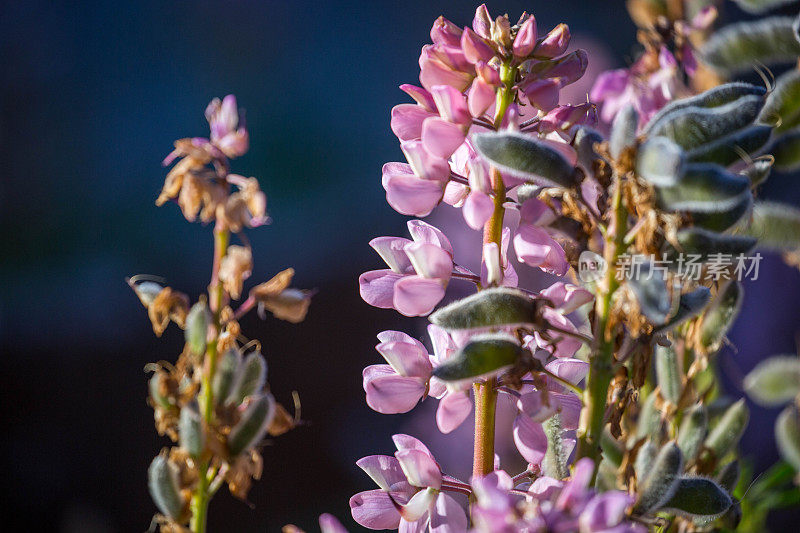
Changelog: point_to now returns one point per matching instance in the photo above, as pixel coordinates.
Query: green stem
(201, 496)
(601, 369)
(486, 392)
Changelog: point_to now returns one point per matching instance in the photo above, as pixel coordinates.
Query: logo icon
(591, 266)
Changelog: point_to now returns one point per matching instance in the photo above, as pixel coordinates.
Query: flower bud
(252, 427)
(445, 32)
(482, 22)
(525, 41)
(475, 48)
(554, 44)
(501, 31)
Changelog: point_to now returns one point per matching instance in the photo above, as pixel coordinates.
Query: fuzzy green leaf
(742, 46)
(482, 356)
(527, 158)
(774, 381)
(492, 307)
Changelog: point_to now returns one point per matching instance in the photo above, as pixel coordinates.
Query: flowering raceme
(609, 375)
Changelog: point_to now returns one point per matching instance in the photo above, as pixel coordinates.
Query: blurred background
(93, 94)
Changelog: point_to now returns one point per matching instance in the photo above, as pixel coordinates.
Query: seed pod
(737, 47)
(787, 436)
(164, 483)
(704, 187)
(756, 7)
(698, 241)
(783, 104)
(724, 220)
(652, 294)
(253, 425)
(197, 322)
(699, 498)
(623, 130)
(729, 430)
(225, 376)
(728, 149)
(190, 430)
(776, 226)
(693, 431)
(774, 381)
(668, 374)
(659, 485)
(649, 422)
(689, 305)
(526, 158)
(728, 476)
(693, 127)
(492, 307)
(719, 317)
(660, 161)
(759, 171)
(644, 459)
(584, 142)
(155, 391)
(483, 356)
(250, 378)
(718, 96)
(786, 151)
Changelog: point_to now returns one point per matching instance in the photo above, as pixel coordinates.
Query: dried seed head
(235, 267)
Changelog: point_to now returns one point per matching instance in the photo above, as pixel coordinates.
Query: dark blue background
(94, 93)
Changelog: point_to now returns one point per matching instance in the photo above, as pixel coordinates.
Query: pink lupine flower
(330, 524)
(411, 482)
(495, 266)
(228, 132)
(566, 297)
(534, 244)
(454, 405)
(409, 194)
(418, 273)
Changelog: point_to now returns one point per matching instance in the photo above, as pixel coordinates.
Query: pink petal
(609, 83)
(542, 93)
(421, 96)
(482, 22)
(417, 507)
(443, 345)
(546, 488)
(392, 394)
(567, 297)
(374, 509)
(430, 261)
(572, 370)
(440, 137)
(455, 193)
(575, 490)
(447, 516)
(407, 121)
(555, 43)
(330, 524)
(569, 407)
(491, 271)
(566, 345)
(526, 38)
(453, 409)
(532, 405)
(417, 296)
(391, 251)
(407, 359)
(477, 209)
(398, 336)
(535, 211)
(423, 232)
(417, 526)
(377, 287)
(434, 72)
(475, 48)
(530, 439)
(605, 511)
(451, 104)
(481, 95)
(385, 471)
(424, 164)
(420, 469)
(410, 195)
(535, 247)
(445, 32)
(407, 442)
